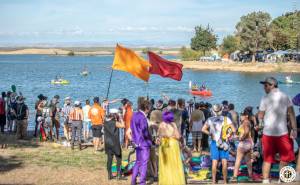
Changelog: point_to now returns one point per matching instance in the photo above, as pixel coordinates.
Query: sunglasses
(267, 84)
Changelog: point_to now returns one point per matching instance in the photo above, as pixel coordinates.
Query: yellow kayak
(60, 82)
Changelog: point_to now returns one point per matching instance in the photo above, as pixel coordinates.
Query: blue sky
(132, 22)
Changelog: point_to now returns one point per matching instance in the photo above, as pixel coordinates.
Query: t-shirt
(97, 114)
(197, 126)
(275, 105)
(215, 126)
(86, 110)
(197, 119)
(197, 115)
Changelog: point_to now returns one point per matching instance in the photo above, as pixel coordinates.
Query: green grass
(55, 155)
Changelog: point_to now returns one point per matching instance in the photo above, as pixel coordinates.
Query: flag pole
(111, 73)
(147, 89)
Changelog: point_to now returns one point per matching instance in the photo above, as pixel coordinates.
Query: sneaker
(233, 179)
(266, 181)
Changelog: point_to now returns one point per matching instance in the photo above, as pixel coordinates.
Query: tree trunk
(253, 58)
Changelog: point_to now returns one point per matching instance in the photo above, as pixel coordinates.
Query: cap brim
(262, 82)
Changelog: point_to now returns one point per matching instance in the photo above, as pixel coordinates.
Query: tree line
(254, 32)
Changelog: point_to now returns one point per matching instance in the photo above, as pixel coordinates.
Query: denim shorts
(217, 153)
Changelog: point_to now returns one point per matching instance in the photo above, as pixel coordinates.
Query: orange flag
(128, 61)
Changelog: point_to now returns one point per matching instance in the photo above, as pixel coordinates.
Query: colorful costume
(170, 163)
(142, 139)
(127, 119)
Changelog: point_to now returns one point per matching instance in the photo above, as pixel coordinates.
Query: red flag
(164, 68)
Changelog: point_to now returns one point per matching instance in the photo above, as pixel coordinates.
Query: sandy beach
(243, 67)
(77, 51)
(50, 51)
(195, 65)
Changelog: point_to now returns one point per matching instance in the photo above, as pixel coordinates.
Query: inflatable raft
(201, 93)
(60, 82)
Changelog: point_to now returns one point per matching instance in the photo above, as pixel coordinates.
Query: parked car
(245, 57)
(211, 58)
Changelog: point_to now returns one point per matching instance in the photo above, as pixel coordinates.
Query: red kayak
(201, 93)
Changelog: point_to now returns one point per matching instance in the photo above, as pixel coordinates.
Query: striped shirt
(66, 110)
(76, 114)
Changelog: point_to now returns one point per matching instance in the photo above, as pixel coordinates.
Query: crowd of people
(165, 134)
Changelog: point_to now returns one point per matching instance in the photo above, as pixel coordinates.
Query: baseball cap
(77, 103)
(68, 98)
(270, 80)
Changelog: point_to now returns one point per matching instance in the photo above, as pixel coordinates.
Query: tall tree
(230, 44)
(252, 30)
(285, 31)
(204, 39)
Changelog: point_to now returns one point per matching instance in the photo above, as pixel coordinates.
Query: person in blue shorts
(213, 128)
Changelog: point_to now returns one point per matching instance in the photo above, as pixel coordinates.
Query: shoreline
(229, 66)
(242, 67)
(78, 51)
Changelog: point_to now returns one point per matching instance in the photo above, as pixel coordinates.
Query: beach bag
(226, 133)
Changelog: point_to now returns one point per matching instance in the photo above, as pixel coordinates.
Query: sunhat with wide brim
(217, 109)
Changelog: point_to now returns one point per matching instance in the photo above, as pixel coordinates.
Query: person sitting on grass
(245, 145)
(112, 143)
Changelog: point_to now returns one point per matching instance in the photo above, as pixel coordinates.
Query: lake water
(32, 75)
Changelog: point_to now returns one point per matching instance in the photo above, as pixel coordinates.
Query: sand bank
(51, 51)
(76, 51)
(243, 67)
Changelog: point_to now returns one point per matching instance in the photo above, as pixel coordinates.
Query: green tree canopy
(252, 30)
(204, 39)
(230, 44)
(284, 31)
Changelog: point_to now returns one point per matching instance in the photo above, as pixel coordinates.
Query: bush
(71, 53)
(189, 54)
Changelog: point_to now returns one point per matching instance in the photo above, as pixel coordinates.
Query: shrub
(189, 54)
(71, 53)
